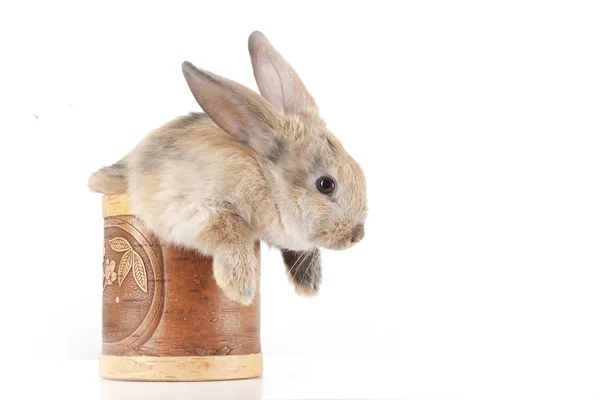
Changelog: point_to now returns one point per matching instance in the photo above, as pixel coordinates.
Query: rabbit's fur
(245, 170)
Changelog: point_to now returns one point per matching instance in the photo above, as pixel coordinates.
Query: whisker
(295, 264)
(299, 262)
(307, 253)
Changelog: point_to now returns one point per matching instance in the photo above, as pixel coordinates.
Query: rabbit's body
(179, 192)
(249, 169)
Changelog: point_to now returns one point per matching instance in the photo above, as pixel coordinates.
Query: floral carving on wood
(129, 261)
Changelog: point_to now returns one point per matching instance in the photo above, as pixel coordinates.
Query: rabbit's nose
(358, 233)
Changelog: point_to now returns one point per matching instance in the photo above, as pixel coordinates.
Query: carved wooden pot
(164, 318)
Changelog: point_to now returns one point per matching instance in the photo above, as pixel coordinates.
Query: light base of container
(181, 369)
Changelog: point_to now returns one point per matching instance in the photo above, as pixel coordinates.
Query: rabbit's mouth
(342, 236)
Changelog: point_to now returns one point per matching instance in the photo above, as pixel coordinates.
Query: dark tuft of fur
(304, 268)
(278, 150)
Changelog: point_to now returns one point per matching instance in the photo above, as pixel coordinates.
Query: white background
(477, 125)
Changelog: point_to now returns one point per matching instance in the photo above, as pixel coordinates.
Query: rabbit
(251, 168)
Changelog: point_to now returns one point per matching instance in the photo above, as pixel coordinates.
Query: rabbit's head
(318, 187)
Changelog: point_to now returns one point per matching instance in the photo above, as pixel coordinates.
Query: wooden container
(164, 318)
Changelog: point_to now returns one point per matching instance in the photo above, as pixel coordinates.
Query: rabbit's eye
(325, 185)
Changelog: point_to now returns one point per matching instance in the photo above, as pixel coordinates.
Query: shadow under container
(163, 316)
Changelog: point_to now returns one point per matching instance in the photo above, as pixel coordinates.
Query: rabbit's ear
(277, 80)
(236, 109)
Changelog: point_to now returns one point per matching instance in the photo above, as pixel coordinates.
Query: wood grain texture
(115, 204)
(181, 369)
(161, 301)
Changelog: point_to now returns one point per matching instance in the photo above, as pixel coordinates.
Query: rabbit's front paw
(238, 282)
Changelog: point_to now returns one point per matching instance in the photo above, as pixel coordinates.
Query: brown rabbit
(248, 169)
